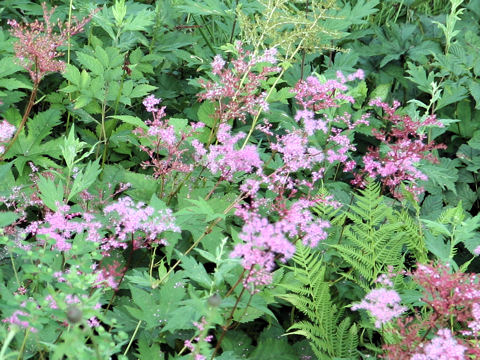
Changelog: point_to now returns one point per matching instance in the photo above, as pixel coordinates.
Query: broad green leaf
(50, 193)
(205, 113)
(85, 178)
(72, 74)
(7, 218)
(196, 271)
(132, 120)
(12, 84)
(441, 176)
(142, 90)
(90, 63)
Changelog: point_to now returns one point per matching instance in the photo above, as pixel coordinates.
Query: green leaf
(140, 22)
(72, 74)
(82, 101)
(205, 113)
(132, 120)
(12, 84)
(381, 91)
(142, 90)
(474, 87)
(196, 272)
(8, 66)
(419, 76)
(85, 178)
(50, 193)
(146, 351)
(90, 63)
(441, 176)
(7, 218)
(203, 7)
(437, 246)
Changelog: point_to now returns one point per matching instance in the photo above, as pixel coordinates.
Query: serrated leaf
(474, 87)
(132, 120)
(442, 175)
(146, 351)
(142, 90)
(8, 66)
(90, 63)
(72, 74)
(85, 178)
(196, 271)
(12, 84)
(50, 193)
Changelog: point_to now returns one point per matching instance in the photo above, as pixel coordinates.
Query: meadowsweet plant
(449, 320)
(242, 200)
(238, 92)
(404, 147)
(37, 51)
(167, 146)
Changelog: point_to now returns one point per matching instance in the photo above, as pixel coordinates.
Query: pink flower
(217, 64)
(6, 131)
(442, 347)
(224, 158)
(382, 304)
(406, 148)
(238, 89)
(15, 320)
(142, 222)
(150, 103)
(261, 241)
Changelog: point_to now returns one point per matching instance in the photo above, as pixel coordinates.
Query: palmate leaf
(32, 144)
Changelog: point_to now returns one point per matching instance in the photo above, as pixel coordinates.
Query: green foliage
(376, 237)
(81, 149)
(331, 335)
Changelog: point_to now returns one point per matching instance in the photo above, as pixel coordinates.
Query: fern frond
(414, 239)
(374, 239)
(311, 296)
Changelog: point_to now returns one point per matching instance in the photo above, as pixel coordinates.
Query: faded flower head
(37, 48)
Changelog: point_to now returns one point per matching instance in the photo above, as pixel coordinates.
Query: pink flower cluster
(237, 90)
(382, 304)
(142, 223)
(62, 226)
(109, 276)
(7, 130)
(15, 320)
(264, 242)
(406, 147)
(261, 242)
(449, 297)
(296, 154)
(37, 48)
(202, 339)
(442, 347)
(313, 96)
(223, 158)
(162, 144)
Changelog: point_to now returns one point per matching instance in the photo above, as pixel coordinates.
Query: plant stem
(132, 338)
(31, 101)
(230, 318)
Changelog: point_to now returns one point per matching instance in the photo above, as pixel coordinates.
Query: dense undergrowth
(243, 179)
